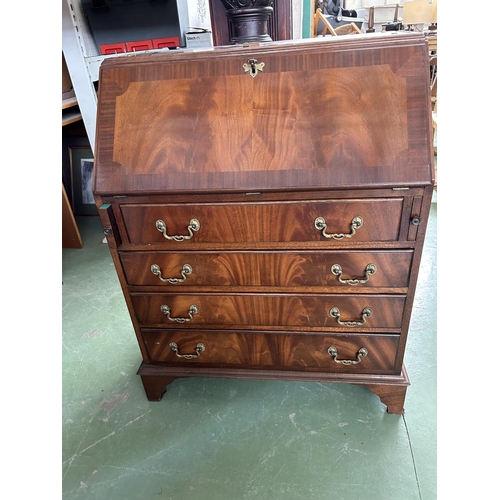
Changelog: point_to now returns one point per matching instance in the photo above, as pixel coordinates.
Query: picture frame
(82, 168)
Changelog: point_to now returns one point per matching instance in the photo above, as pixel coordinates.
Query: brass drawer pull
(335, 313)
(332, 351)
(199, 349)
(194, 225)
(369, 270)
(320, 225)
(193, 309)
(185, 271)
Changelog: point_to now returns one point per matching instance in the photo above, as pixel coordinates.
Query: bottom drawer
(352, 353)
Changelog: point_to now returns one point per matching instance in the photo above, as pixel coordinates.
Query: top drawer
(359, 220)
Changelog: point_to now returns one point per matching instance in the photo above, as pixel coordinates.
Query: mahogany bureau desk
(265, 207)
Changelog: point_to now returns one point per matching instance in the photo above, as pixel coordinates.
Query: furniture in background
(267, 223)
(345, 29)
(280, 22)
(70, 114)
(70, 234)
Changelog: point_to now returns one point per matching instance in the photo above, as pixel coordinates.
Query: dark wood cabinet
(266, 207)
(280, 22)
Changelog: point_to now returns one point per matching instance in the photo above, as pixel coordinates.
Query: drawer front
(353, 353)
(226, 311)
(361, 220)
(330, 268)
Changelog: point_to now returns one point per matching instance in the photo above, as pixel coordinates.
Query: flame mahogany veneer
(265, 207)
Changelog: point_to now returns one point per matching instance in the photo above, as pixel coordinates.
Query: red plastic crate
(139, 45)
(161, 43)
(113, 48)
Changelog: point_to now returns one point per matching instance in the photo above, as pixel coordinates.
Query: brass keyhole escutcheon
(253, 67)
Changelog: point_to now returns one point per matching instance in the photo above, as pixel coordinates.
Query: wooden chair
(345, 29)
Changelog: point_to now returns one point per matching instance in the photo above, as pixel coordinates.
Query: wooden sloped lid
(323, 113)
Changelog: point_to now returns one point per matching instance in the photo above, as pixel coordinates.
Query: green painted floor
(227, 439)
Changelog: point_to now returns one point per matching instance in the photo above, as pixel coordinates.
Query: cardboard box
(198, 39)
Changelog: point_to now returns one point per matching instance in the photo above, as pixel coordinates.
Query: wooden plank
(69, 102)
(73, 117)
(70, 234)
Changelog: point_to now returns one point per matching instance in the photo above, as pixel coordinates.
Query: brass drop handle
(185, 272)
(198, 350)
(194, 225)
(320, 225)
(366, 313)
(193, 309)
(332, 351)
(370, 270)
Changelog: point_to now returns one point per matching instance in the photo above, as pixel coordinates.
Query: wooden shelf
(71, 117)
(70, 103)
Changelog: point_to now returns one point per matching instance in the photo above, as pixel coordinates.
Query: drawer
(223, 311)
(343, 269)
(353, 353)
(359, 220)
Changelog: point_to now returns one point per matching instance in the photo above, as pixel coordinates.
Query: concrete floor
(227, 439)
